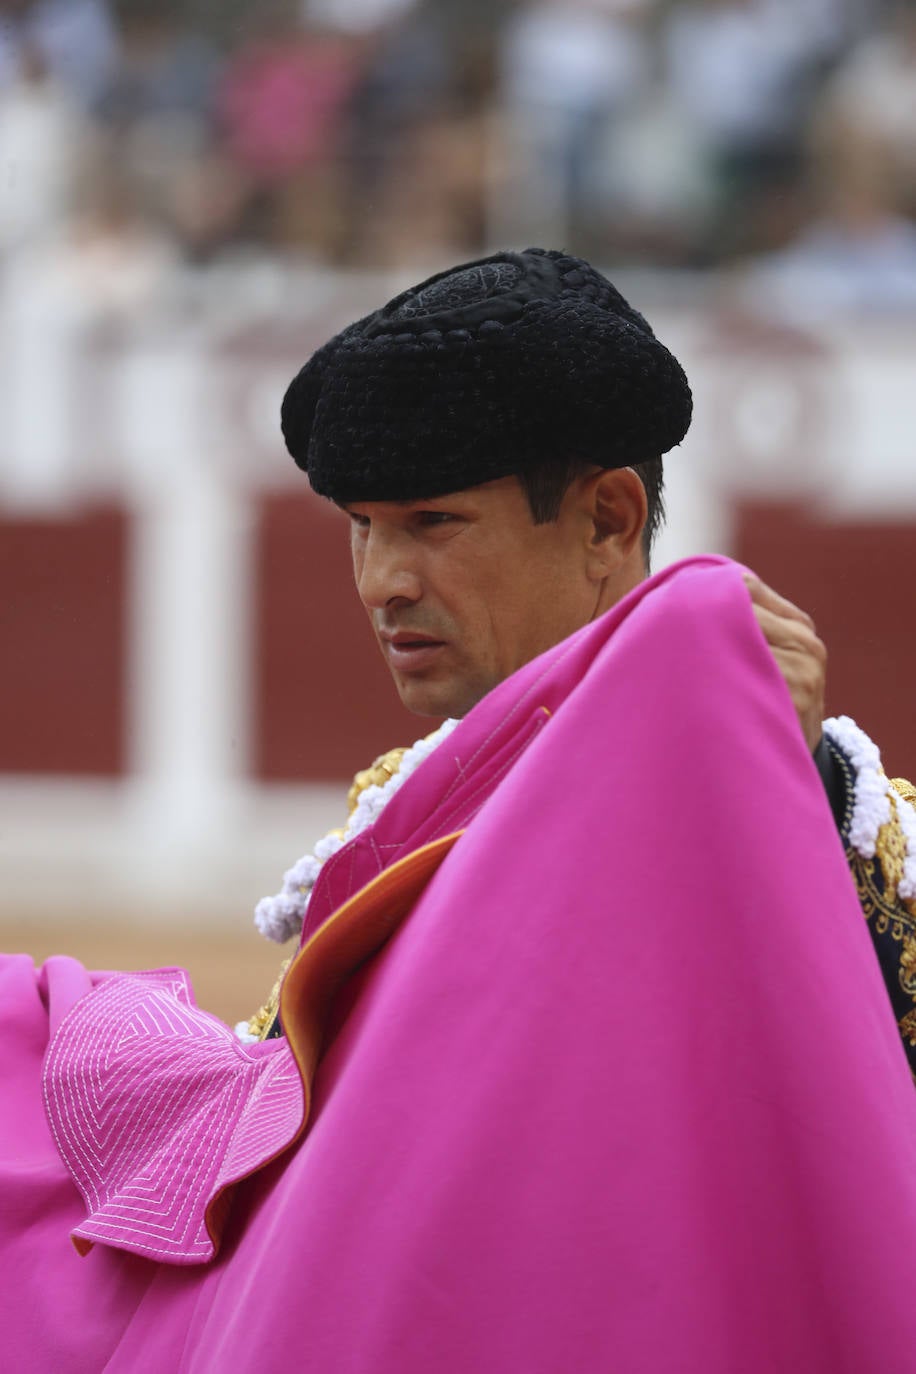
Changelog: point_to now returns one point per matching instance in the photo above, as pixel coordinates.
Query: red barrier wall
(858, 582)
(62, 636)
(322, 699)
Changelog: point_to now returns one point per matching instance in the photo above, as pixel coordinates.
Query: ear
(615, 502)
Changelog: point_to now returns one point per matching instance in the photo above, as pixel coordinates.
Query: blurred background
(195, 193)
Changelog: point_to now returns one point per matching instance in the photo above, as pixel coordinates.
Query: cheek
(357, 558)
(549, 604)
(505, 620)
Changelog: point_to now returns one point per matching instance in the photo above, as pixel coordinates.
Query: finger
(765, 596)
(806, 688)
(794, 636)
(801, 675)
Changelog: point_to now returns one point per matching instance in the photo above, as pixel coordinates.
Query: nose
(384, 570)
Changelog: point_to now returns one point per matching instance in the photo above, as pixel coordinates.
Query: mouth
(409, 652)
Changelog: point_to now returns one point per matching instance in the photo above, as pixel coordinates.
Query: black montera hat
(481, 372)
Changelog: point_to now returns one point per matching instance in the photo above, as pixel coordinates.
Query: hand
(800, 656)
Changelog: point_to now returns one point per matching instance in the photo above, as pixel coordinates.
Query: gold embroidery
(908, 965)
(904, 789)
(263, 1019)
(377, 774)
(890, 851)
(877, 881)
(879, 905)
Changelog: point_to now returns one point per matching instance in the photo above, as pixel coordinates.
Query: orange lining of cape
(354, 933)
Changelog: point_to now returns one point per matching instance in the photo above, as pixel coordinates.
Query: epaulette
(880, 837)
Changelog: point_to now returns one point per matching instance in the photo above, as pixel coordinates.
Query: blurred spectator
(156, 112)
(165, 67)
(653, 197)
(416, 143)
(207, 204)
(108, 267)
(859, 265)
(825, 29)
(353, 16)
(742, 74)
(74, 39)
(569, 68)
(281, 104)
(281, 99)
(396, 132)
(869, 108)
(42, 138)
(856, 255)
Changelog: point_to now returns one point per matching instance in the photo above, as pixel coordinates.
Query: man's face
(463, 589)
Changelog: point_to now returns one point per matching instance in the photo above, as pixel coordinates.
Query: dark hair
(546, 484)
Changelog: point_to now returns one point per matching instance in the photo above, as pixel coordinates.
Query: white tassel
(875, 801)
(281, 917)
(871, 804)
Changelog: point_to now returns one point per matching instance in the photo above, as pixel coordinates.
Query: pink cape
(622, 1090)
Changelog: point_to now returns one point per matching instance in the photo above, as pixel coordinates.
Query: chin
(425, 703)
(436, 699)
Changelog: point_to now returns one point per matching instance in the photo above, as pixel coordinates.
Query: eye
(360, 521)
(435, 517)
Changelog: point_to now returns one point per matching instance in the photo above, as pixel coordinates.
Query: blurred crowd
(137, 134)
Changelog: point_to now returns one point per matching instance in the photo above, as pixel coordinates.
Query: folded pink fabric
(623, 1090)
